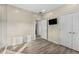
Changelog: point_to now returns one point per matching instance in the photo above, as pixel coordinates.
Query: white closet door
(39, 27)
(44, 29)
(76, 31)
(65, 24)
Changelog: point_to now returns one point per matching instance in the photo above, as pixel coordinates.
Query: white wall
(53, 31)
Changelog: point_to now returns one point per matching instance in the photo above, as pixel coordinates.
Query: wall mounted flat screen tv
(53, 21)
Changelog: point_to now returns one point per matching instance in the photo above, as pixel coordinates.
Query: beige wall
(15, 25)
(20, 23)
(53, 31)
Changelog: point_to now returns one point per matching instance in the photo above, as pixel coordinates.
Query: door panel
(65, 30)
(76, 31)
(69, 31)
(39, 28)
(42, 28)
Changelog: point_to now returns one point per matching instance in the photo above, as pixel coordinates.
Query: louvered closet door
(65, 24)
(76, 31)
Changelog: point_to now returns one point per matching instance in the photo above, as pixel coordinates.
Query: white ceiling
(38, 7)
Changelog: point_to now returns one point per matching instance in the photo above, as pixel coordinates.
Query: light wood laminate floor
(41, 46)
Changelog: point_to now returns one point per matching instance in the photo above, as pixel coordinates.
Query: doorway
(41, 29)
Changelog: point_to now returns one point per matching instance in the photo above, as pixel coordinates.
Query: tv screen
(53, 21)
